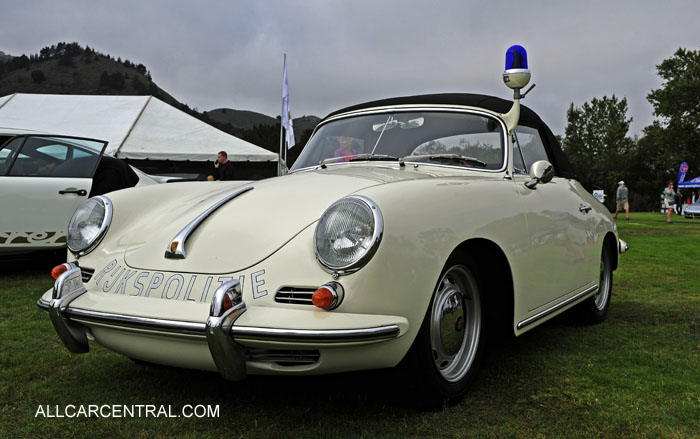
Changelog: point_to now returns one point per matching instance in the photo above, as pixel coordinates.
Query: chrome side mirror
(540, 172)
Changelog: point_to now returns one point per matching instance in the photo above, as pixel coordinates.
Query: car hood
(247, 229)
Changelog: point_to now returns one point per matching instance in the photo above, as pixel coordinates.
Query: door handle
(79, 192)
(584, 208)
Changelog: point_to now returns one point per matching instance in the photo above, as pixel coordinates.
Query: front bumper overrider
(219, 331)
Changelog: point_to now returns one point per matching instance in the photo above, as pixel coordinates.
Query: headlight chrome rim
(369, 252)
(106, 221)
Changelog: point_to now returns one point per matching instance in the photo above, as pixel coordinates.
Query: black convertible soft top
(527, 117)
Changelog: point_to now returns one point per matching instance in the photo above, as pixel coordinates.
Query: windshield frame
(420, 108)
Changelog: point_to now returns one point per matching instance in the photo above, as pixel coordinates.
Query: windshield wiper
(358, 157)
(453, 158)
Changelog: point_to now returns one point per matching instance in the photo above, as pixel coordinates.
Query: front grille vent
(86, 274)
(284, 357)
(295, 295)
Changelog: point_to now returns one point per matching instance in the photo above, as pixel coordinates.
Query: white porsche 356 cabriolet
(407, 229)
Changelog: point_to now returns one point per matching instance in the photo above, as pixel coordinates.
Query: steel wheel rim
(601, 298)
(455, 323)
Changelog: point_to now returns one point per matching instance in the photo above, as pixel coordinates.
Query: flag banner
(286, 113)
(689, 184)
(681, 172)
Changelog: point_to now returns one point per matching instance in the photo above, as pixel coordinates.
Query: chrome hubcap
(455, 323)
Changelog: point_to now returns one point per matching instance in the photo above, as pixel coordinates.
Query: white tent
(136, 127)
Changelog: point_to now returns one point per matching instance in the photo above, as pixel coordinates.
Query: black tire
(595, 308)
(446, 353)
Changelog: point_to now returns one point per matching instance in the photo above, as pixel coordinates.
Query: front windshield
(451, 138)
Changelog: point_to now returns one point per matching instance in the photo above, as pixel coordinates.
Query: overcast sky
(228, 53)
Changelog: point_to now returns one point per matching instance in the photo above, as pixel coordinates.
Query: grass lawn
(635, 375)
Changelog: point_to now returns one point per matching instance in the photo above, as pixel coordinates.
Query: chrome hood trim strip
(176, 247)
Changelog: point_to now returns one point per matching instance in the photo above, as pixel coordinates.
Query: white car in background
(692, 211)
(43, 179)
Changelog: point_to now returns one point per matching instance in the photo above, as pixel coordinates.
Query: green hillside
(69, 68)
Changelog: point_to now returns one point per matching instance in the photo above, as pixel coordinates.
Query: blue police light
(516, 58)
(516, 75)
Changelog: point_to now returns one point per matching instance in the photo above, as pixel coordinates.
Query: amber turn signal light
(59, 270)
(323, 298)
(328, 296)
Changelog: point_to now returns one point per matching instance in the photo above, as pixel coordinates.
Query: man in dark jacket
(224, 168)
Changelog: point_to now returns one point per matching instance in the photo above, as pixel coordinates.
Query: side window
(57, 151)
(8, 152)
(531, 146)
(57, 157)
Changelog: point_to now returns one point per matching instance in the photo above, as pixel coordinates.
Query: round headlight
(348, 233)
(89, 224)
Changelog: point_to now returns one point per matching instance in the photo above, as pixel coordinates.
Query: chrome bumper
(219, 331)
(622, 246)
(68, 287)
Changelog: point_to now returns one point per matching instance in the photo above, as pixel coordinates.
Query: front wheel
(448, 348)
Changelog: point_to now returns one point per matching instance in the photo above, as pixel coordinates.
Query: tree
(597, 144)
(139, 86)
(66, 60)
(116, 81)
(675, 136)
(104, 80)
(38, 76)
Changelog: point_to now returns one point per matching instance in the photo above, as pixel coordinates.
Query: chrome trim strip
(548, 311)
(176, 247)
(316, 335)
(137, 322)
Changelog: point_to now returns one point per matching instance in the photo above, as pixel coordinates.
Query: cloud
(218, 53)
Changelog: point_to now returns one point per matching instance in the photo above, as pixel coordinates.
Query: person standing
(621, 200)
(223, 168)
(669, 196)
(679, 202)
(346, 150)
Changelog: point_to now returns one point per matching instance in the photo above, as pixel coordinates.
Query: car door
(42, 181)
(562, 250)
